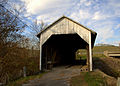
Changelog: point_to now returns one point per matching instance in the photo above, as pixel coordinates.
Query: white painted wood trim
(90, 52)
(40, 63)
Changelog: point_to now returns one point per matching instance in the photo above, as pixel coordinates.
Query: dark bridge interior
(60, 49)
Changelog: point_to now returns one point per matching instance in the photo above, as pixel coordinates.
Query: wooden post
(24, 71)
(90, 52)
(118, 81)
(87, 62)
(40, 53)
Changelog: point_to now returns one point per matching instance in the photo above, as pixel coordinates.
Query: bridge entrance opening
(60, 49)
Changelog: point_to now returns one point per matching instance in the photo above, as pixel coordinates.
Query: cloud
(99, 16)
(80, 15)
(46, 6)
(117, 27)
(47, 18)
(117, 42)
(47, 10)
(103, 16)
(105, 33)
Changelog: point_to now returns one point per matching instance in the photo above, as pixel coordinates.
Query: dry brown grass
(110, 66)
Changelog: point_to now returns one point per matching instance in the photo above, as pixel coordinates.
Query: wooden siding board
(66, 26)
(64, 17)
(75, 28)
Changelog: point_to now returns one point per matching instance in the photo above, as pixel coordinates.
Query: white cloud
(40, 6)
(47, 18)
(47, 10)
(117, 27)
(100, 16)
(86, 2)
(105, 33)
(81, 14)
(116, 42)
(96, 14)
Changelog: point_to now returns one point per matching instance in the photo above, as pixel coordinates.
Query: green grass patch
(94, 79)
(99, 55)
(104, 48)
(97, 51)
(23, 80)
(82, 57)
(88, 79)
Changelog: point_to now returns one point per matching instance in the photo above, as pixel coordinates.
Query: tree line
(17, 50)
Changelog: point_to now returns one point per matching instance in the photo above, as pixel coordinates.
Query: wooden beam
(87, 62)
(40, 57)
(90, 52)
(40, 63)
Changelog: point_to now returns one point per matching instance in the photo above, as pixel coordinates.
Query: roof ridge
(68, 19)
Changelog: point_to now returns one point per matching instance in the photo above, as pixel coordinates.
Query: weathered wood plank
(118, 81)
(90, 51)
(66, 26)
(40, 62)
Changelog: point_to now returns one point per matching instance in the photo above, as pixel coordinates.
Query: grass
(101, 49)
(104, 48)
(24, 80)
(83, 57)
(110, 66)
(94, 79)
(97, 51)
(99, 56)
(88, 79)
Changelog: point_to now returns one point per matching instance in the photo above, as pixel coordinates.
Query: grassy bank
(95, 78)
(97, 51)
(24, 80)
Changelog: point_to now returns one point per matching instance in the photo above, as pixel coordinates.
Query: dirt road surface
(59, 76)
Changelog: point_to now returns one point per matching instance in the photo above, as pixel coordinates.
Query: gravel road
(58, 76)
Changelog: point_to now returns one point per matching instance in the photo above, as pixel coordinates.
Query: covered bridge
(60, 40)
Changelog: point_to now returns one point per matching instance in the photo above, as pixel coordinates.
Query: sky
(102, 16)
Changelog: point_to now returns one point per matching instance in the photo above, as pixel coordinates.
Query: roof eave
(38, 35)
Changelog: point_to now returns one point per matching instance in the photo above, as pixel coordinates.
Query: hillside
(104, 48)
(97, 51)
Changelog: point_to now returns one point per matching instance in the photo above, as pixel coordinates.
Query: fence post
(24, 71)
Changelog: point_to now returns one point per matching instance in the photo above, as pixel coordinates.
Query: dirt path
(57, 77)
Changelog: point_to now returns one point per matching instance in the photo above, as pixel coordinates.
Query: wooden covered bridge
(60, 40)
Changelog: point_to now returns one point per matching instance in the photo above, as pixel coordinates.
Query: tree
(35, 29)
(15, 48)
(10, 36)
(3, 2)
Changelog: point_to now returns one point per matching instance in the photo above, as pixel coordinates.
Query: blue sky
(102, 16)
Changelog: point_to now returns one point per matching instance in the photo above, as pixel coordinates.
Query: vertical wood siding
(65, 26)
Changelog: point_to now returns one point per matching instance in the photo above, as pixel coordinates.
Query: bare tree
(36, 28)
(15, 47)
(3, 2)
(10, 36)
